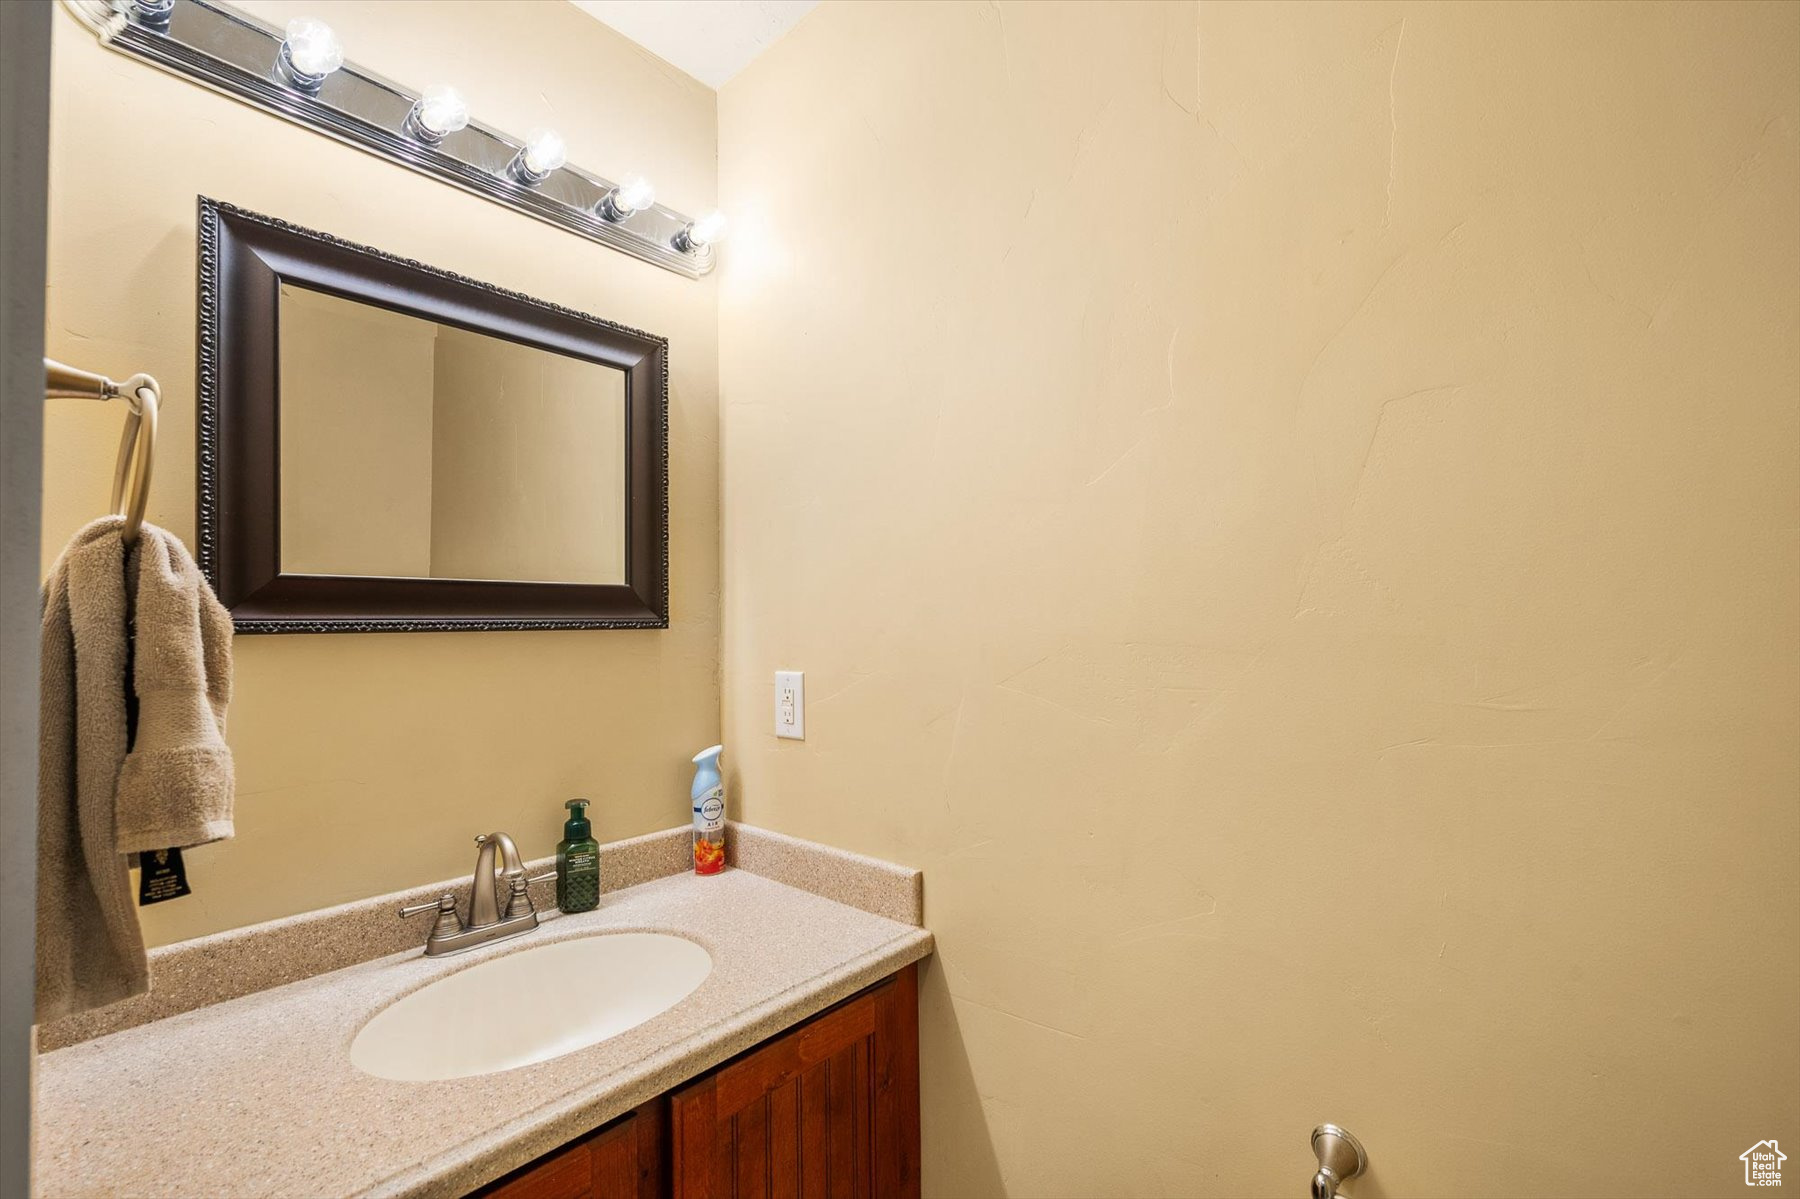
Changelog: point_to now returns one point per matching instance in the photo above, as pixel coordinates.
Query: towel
(117, 777)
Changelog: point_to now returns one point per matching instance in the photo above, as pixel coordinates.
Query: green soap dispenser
(578, 862)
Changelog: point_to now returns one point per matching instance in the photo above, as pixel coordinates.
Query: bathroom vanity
(828, 1108)
(791, 1068)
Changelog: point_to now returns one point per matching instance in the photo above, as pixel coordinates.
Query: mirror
(388, 447)
(415, 449)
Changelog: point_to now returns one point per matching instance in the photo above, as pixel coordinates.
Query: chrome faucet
(499, 903)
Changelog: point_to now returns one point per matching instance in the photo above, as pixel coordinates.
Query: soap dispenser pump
(577, 862)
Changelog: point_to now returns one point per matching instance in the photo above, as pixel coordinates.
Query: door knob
(1341, 1158)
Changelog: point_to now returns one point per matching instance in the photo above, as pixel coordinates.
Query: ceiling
(712, 40)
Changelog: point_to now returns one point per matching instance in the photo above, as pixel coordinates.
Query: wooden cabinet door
(623, 1160)
(829, 1110)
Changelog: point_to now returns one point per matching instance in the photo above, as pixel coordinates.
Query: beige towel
(103, 792)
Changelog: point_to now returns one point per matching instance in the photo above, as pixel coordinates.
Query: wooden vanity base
(828, 1109)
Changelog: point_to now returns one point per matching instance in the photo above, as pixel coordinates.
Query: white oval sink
(530, 1007)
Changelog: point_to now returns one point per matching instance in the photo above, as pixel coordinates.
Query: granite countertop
(256, 1096)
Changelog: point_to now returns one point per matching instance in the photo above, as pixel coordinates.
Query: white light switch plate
(790, 704)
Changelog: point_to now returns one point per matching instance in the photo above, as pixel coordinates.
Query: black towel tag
(161, 876)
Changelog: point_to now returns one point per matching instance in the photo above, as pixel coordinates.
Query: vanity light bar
(300, 74)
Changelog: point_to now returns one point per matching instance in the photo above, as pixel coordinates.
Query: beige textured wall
(528, 464)
(410, 448)
(357, 389)
(367, 763)
(1289, 514)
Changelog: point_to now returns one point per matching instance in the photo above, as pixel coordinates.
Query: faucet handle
(518, 903)
(437, 905)
(518, 899)
(448, 923)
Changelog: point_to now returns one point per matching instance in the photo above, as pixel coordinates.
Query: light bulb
(544, 152)
(439, 111)
(310, 52)
(636, 193)
(709, 230)
(632, 194)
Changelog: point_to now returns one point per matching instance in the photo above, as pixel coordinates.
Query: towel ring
(137, 444)
(137, 454)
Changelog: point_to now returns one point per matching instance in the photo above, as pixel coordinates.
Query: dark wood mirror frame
(244, 260)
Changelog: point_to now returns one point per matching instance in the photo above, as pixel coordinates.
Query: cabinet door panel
(615, 1161)
(567, 1175)
(790, 1054)
(752, 1136)
(785, 1162)
(814, 1129)
(895, 1053)
(620, 1161)
(813, 1114)
(846, 1164)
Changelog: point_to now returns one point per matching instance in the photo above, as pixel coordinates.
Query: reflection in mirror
(414, 449)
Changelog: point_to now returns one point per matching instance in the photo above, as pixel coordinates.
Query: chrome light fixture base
(152, 14)
(414, 127)
(217, 46)
(520, 172)
(610, 209)
(293, 76)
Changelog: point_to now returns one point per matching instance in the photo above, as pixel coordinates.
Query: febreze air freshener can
(708, 794)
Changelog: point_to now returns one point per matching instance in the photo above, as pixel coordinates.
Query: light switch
(790, 704)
